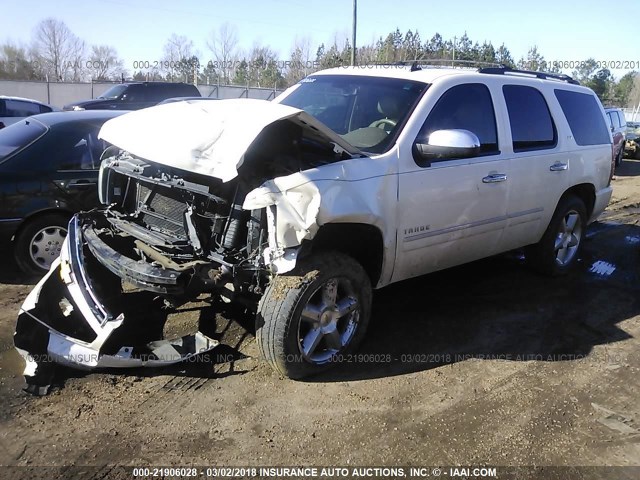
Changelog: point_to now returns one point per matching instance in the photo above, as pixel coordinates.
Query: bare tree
(78, 66)
(59, 50)
(104, 63)
(177, 49)
(634, 96)
(15, 62)
(223, 45)
(300, 64)
(263, 68)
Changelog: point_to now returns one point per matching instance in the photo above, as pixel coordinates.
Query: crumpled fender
(297, 208)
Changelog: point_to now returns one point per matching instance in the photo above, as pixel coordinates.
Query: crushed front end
(174, 232)
(163, 232)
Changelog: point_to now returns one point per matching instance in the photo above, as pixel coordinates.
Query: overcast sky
(138, 29)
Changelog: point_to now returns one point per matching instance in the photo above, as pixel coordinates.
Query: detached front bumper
(64, 321)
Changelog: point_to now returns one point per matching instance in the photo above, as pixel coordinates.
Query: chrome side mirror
(449, 144)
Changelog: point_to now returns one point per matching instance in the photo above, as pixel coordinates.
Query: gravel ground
(486, 364)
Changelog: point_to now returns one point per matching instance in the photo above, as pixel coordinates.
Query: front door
(453, 211)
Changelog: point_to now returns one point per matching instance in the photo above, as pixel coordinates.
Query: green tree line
(57, 54)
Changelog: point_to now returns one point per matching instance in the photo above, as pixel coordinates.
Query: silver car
(14, 109)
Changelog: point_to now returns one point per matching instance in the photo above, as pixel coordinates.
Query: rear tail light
(613, 162)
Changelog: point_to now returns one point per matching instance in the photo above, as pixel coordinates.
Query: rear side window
(532, 127)
(467, 107)
(17, 108)
(17, 136)
(44, 109)
(134, 93)
(585, 118)
(615, 119)
(610, 120)
(156, 93)
(81, 152)
(77, 146)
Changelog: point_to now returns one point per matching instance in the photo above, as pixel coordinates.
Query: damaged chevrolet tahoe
(350, 180)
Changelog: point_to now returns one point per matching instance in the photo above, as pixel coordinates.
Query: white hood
(209, 137)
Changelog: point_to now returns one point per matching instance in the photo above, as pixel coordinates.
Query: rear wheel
(39, 243)
(311, 316)
(558, 250)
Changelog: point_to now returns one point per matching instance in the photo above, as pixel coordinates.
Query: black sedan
(48, 170)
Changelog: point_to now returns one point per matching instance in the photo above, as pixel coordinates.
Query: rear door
(539, 165)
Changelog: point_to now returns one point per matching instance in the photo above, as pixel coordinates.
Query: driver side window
(467, 107)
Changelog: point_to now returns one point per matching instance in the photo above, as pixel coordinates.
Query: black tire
(29, 258)
(545, 256)
(619, 156)
(281, 332)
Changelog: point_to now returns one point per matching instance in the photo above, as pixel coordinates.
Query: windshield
(368, 112)
(114, 92)
(17, 136)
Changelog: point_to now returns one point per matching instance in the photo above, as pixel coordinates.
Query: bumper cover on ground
(41, 344)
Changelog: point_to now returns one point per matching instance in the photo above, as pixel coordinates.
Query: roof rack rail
(417, 64)
(504, 69)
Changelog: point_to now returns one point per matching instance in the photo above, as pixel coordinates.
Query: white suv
(352, 179)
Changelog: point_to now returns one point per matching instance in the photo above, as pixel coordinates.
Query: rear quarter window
(584, 116)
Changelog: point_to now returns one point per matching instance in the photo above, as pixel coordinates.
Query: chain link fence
(62, 93)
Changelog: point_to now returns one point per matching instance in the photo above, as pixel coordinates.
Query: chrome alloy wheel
(568, 238)
(328, 321)
(45, 246)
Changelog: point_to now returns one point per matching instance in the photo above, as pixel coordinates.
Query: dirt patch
(281, 284)
(487, 364)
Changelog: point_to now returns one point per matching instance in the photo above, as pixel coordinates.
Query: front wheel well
(360, 241)
(62, 212)
(39, 214)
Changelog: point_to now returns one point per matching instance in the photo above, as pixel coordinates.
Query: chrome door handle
(494, 178)
(559, 167)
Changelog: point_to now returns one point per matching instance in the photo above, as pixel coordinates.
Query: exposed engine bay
(180, 233)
